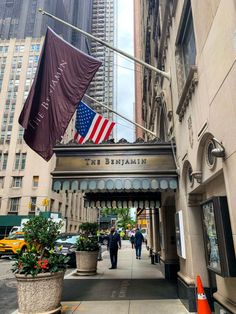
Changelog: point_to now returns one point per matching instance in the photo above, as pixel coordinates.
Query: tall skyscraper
(20, 19)
(103, 27)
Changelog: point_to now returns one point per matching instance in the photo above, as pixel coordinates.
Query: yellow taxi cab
(13, 244)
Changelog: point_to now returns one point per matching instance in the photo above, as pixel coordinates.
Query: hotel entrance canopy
(118, 169)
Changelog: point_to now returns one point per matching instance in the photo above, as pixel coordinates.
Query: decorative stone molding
(139, 140)
(198, 176)
(229, 304)
(187, 92)
(122, 141)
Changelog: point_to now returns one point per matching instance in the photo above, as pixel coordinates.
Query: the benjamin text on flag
(63, 76)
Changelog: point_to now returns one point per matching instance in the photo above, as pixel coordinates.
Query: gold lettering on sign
(115, 163)
(111, 161)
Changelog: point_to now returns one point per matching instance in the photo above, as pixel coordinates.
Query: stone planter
(86, 263)
(40, 294)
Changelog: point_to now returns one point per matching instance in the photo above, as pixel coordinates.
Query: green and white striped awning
(115, 184)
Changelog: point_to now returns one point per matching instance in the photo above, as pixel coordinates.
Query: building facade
(25, 178)
(195, 41)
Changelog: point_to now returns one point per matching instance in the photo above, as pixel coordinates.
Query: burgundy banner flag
(63, 76)
(90, 125)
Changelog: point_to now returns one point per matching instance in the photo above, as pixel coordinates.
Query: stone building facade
(195, 110)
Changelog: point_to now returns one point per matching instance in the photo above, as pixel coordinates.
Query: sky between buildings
(125, 71)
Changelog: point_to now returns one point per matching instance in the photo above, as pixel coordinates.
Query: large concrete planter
(86, 263)
(40, 294)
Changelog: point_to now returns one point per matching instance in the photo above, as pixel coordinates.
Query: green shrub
(40, 234)
(88, 239)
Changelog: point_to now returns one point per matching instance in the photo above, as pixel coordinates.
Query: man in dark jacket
(138, 241)
(114, 243)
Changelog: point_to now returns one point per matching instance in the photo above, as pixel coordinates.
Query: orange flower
(43, 264)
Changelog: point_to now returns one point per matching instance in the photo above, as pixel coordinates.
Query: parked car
(13, 244)
(103, 239)
(65, 245)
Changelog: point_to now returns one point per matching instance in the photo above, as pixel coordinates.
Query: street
(8, 300)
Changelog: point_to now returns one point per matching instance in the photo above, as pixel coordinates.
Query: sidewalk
(135, 287)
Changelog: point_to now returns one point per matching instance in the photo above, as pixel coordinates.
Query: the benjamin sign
(111, 164)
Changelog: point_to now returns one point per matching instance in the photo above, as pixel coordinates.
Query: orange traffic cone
(202, 304)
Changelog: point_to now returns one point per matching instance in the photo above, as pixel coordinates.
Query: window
(185, 57)
(51, 204)
(33, 201)
(189, 47)
(19, 48)
(35, 47)
(210, 159)
(14, 204)
(17, 182)
(35, 181)
(20, 133)
(17, 161)
(23, 161)
(59, 207)
(4, 49)
(33, 60)
(4, 161)
(186, 41)
(20, 160)
(1, 182)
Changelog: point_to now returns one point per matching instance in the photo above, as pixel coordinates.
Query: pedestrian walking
(114, 243)
(138, 241)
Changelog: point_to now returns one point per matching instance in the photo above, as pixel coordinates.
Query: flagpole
(162, 73)
(118, 114)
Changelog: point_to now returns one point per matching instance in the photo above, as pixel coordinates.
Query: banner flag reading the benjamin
(63, 76)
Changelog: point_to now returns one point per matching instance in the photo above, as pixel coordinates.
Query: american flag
(90, 125)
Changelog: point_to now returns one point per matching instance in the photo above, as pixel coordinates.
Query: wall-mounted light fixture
(218, 152)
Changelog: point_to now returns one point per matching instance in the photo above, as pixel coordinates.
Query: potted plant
(87, 248)
(39, 270)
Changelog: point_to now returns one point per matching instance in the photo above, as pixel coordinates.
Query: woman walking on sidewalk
(138, 241)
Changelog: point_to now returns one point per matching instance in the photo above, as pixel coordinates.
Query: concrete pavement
(135, 287)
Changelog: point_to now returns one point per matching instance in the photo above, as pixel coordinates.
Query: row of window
(3, 49)
(18, 180)
(20, 48)
(20, 161)
(14, 204)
